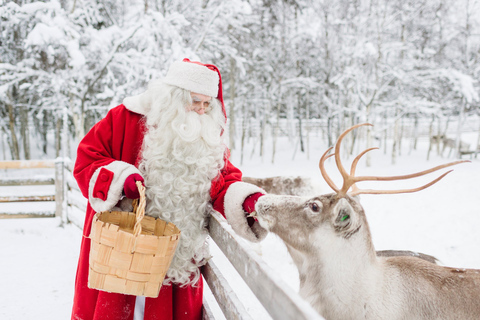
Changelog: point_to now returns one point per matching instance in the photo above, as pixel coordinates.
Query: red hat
(196, 77)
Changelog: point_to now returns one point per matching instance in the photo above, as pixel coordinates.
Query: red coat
(106, 156)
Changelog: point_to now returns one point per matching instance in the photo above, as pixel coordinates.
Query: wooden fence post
(59, 187)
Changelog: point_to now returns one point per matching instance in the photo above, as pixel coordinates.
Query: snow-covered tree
(286, 64)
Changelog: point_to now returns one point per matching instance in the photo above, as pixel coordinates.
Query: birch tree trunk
(290, 120)
(58, 139)
(413, 146)
(13, 136)
(275, 133)
(244, 132)
(300, 133)
(262, 134)
(459, 127)
(4, 151)
(478, 142)
(431, 139)
(25, 132)
(369, 138)
(65, 135)
(231, 116)
(400, 138)
(395, 142)
(329, 131)
(385, 132)
(44, 132)
(308, 123)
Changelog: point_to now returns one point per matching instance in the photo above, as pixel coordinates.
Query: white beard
(182, 153)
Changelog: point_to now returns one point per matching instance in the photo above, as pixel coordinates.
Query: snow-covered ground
(38, 256)
(37, 268)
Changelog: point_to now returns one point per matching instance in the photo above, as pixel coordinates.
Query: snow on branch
(101, 70)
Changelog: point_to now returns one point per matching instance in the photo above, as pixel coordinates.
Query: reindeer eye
(315, 207)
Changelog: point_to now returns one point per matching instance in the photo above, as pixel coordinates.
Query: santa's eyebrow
(197, 99)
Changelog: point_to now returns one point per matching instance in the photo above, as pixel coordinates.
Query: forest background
(291, 68)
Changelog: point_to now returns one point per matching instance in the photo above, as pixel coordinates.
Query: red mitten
(249, 206)
(130, 187)
(249, 203)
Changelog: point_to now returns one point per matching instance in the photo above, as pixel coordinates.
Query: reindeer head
(322, 220)
(301, 222)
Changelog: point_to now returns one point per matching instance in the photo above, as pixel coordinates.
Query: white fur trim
(121, 170)
(140, 103)
(193, 77)
(139, 311)
(234, 197)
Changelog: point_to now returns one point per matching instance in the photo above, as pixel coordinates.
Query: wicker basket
(130, 253)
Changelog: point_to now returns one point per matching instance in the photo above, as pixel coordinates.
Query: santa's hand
(130, 187)
(249, 203)
(249, 207)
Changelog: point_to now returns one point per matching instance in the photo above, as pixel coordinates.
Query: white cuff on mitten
(236, 216)
(109, 193)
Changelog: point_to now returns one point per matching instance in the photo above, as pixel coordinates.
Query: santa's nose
(200, 110)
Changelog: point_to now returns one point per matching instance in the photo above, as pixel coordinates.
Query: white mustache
(196, 127)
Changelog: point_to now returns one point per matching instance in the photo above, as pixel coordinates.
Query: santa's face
(200, 103)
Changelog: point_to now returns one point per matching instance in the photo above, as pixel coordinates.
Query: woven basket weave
(130, 253)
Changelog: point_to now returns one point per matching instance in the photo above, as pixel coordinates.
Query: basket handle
(139, 209)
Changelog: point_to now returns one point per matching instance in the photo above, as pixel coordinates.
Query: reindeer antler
(349, 180)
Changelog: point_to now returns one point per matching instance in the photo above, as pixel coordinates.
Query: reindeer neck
(339, 273)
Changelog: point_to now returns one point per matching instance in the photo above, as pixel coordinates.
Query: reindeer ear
(345, 218)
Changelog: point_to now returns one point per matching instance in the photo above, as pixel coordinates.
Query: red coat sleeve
(106, 156)
(229, 174)
(228, 194)
(94, 151)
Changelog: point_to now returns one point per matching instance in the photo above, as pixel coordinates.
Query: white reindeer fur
(342, 278)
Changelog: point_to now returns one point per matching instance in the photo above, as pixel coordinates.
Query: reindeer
(451, 144)
(341, 276)
(446, 143)
(294, 186)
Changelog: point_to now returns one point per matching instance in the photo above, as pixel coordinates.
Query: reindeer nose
(261, 205)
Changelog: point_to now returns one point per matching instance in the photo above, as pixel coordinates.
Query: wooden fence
(31, 203)
(278, 299)
(69, 203)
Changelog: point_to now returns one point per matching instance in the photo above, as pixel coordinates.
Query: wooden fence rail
(26, 181)
(278, 299)
(28, 198)
(27, 164)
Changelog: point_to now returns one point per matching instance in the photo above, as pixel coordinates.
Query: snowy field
(38, 256)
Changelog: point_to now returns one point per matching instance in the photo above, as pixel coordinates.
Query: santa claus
(170, 138)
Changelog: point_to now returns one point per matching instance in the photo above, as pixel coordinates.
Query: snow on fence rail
(278, 299)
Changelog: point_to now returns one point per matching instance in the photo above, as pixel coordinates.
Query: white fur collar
(140, 103)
